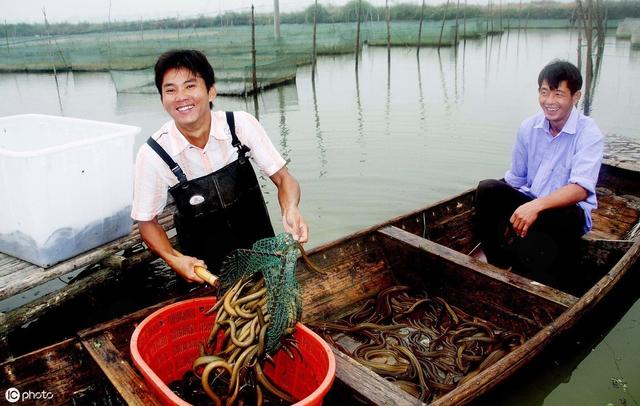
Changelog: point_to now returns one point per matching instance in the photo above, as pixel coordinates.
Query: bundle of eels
(422, 344)
(232, 360)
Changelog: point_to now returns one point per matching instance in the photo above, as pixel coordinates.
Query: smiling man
(533, 219)
(201, 157)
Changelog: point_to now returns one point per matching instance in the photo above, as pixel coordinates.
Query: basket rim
(160, 386)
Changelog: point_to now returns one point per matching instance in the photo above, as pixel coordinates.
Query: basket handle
(207, 276)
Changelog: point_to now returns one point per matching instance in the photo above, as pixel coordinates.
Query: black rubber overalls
(221, 211)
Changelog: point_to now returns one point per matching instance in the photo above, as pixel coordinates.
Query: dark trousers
(550, 242)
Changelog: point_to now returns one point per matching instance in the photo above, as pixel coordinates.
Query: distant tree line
(616, 9)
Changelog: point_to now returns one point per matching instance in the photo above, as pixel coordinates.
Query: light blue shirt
(542, 163)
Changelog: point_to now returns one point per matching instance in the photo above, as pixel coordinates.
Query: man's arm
(527, 214)
(156, 239)
(289, 198)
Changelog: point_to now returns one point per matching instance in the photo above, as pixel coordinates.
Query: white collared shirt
(542, 163)
(153, 178)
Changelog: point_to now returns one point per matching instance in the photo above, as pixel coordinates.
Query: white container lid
(28, 135)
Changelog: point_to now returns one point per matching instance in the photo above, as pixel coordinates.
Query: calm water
(374, 143)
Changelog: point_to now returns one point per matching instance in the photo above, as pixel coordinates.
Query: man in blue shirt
(533, 219)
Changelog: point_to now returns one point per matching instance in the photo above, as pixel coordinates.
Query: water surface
(397, 134)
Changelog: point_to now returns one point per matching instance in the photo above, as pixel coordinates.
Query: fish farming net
(132, 54)
(627, 27)
(409, 34)
(274, 259)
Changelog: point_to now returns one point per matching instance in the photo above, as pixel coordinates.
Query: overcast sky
(13, 11)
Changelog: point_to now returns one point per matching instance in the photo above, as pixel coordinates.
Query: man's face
(557, 103)
(185, 97)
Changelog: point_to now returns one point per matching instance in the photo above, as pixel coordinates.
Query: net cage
(130, 55)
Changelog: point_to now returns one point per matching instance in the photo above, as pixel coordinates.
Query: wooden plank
(64, 370)
(29, 275)
(368, 385)
(15, 318)
(447, 254)
(122, 375)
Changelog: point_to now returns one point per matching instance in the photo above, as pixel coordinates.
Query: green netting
(627, 27)
(275, 259)
(229, 49)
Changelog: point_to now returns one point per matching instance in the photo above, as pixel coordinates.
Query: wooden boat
(427, 249)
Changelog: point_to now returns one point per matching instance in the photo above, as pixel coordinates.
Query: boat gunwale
(511, 362)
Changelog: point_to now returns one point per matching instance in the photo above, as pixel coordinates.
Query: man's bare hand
(523, 218)
(184, 266)
(294, 224)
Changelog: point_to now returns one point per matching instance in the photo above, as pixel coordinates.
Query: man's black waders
(221, 211)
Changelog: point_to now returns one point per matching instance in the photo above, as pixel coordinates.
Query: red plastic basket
(165, 344)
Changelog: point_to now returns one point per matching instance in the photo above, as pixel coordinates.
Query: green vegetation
(330, 14)
(129, 49)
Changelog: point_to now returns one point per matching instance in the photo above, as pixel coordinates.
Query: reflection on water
(285, 150)
(321, 147)
(415, 145)
(365, 144)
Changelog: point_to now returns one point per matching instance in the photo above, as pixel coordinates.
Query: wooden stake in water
(519, 15)
(313, 49)
(276, 18)
(388, 17)
(455, 41)
(464, 21)
(444, 16)
(254, 78)
(53, 63)
(420, 28)
(109, 33)
(6, 35)
(358, 16)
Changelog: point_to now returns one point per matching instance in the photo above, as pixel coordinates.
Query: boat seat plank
(121, 374)
(452, 256)
(17, 275)
(369, 386)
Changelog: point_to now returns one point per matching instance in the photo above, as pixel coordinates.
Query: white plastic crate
(66, 185)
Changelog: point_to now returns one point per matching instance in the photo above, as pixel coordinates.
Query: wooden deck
(17, 275)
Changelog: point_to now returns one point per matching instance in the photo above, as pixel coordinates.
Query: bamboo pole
(519, 15)
(457, 10)
(109, 33)
(6, 35)
(314, 50)
(444, 16)
(53, 63)
(388, 18)
(276, 18)
(358, 17)
(420, 29)
(464, 19)
(254, 78)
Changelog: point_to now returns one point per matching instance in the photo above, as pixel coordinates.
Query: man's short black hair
(194, 61)
(557, 71)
